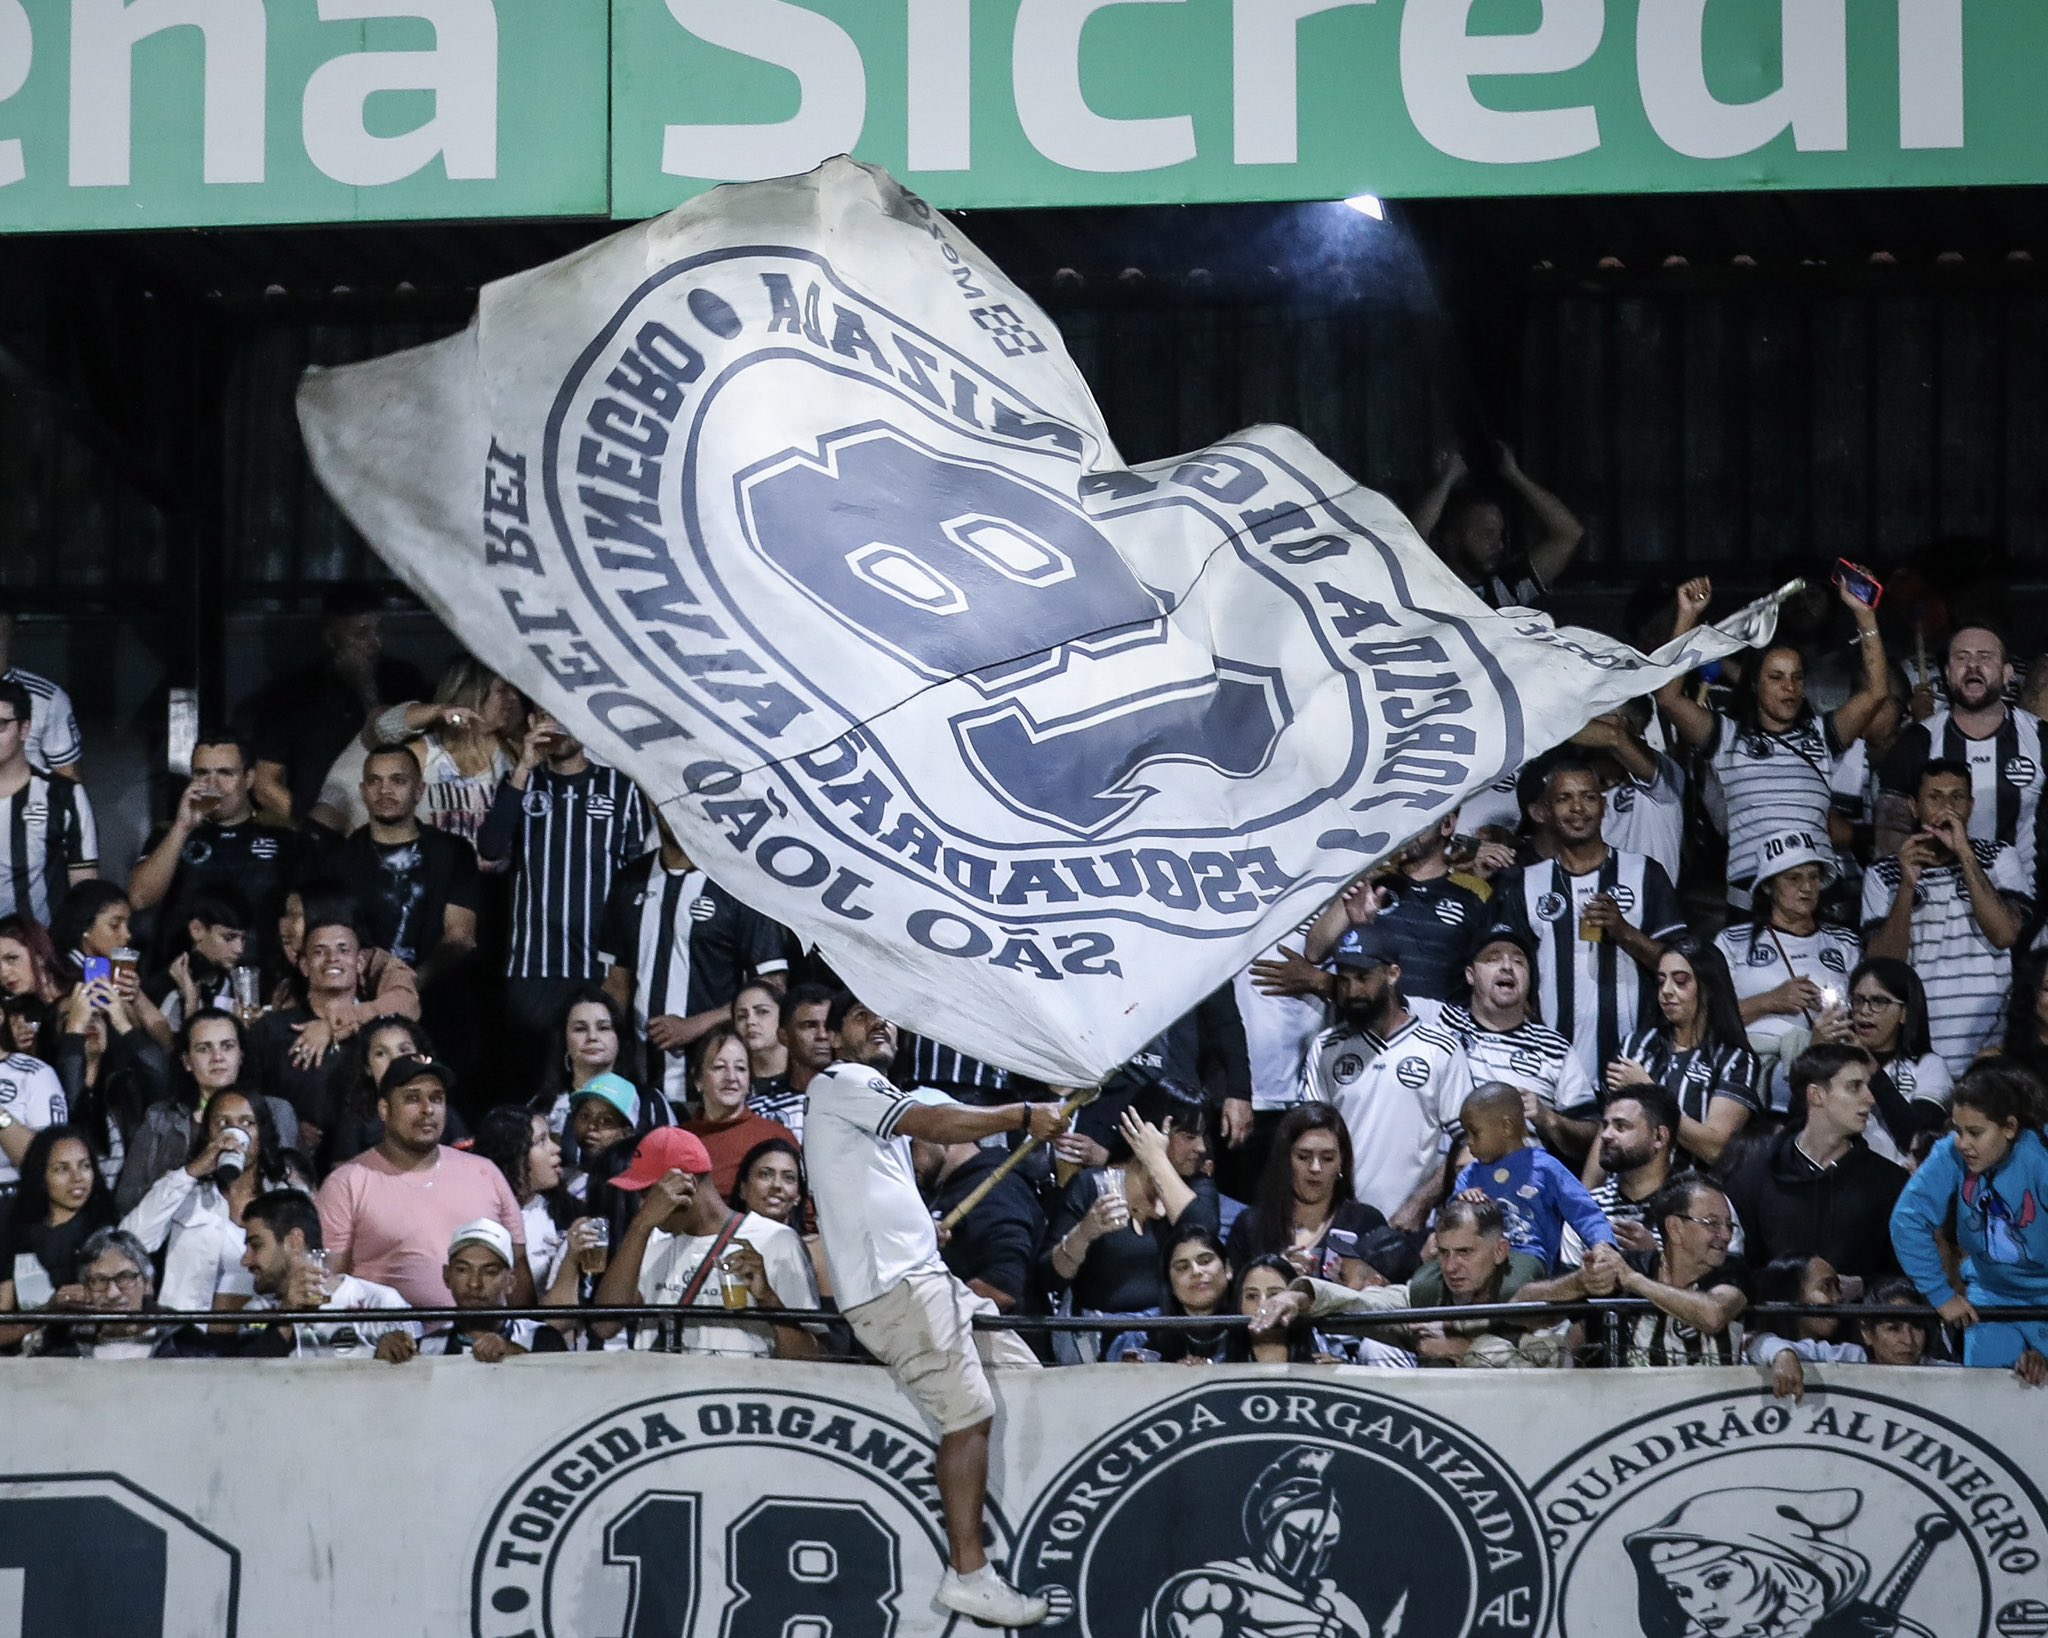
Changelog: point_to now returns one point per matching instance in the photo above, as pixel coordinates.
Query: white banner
(651, 1497)
(789, 503)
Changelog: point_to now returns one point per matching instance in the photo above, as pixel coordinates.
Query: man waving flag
(790, 504)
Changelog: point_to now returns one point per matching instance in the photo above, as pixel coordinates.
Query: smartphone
(98, 969)
(1859, 582)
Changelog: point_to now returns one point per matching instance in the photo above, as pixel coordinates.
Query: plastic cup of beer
(596, 1249)
(733, 1288)
(1590, 931)
(125, 958)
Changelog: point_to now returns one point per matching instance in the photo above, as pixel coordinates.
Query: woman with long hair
(28, 960)
(772, 1184)
(1304, 1192)
(1259, 1280)
(94, 921)
(597, 1039)
(352, 1088)
(1699, 1052)
(61, 1204)
(1198, 1286)
(193, 1213)
(1788, 966)
(720, 1082)
(23, 1017)
(563, 1249)
(1886, 1015)
(1988, 1179)
(111, 1067)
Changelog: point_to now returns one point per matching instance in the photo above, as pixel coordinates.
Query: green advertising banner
(176, 113)
(158, 113)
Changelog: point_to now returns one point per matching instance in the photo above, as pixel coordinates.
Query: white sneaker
(987, 1597)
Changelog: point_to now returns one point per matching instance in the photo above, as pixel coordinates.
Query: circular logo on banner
(1851, 1513)
(672, 1515)
(1259, 1509)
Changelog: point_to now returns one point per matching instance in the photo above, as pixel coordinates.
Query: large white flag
(791, 505)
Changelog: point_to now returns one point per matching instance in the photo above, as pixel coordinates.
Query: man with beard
(806, 1050)
(1596, 915)
(1505, 1043)
(390, 1213)
(1952, 906)
(1467, 522)
(416, 888)
(894, 1288)
(2000, 745)
(1638, 1132)
(1397, 1082)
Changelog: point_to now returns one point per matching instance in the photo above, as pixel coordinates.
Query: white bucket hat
(1789, 849)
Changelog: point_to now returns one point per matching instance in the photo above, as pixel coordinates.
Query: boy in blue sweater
(1536, 1193)
(1993, 1169)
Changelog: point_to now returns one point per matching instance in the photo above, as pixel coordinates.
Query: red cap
(665, 1149)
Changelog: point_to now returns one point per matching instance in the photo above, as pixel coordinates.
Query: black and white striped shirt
(1590, 992)
(53, 740)
(688, 943)
(46, 832)
(1771, 783)
(2007, 771)
(1965, 975)
(568, 836)
(933, 1063)
(1696, 1076)
(1531, 1056)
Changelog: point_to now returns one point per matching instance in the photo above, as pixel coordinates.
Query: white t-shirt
(1277, 1031)
(1917, 1080)
(1756, 961)
(203, 1255)
(876, 1228)
(32, 1094)
(345, 1338)
(1649, 818)
(53, 740)
(544, 1242)
(672, 1261)
(1399, 1098)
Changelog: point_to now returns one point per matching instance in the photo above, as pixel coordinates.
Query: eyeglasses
(127, 1280)
(1712, 1225)
(1874, 1003)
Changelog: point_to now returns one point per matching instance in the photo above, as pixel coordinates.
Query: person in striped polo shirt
(1775, 766)
(48, 839)
(569, 826)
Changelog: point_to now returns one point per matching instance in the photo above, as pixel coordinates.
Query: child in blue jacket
(1537, 1195)
(1993, 1169)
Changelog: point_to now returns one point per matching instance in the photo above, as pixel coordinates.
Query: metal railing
(1609, 1330)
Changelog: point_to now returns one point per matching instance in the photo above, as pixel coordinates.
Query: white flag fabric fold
(792, 506)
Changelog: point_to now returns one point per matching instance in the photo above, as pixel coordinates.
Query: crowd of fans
(1739, 997)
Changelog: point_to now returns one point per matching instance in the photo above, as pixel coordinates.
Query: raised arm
(1428, 512)
(1693, 722)
(1854, 717)
(1562, 532)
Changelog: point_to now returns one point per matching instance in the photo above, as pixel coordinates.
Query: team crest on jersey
(1451, 912)
(1762, 955)
(1348, 1067)
(263, 847)
(1622, 799)
(598, 807)
(1551, 906)
(703, 908)
(1412, 1073)
(2020, 770)
(537, 803)
(1349, 1516)
(674, 1515)
(1833, 959)
(1624, 897)
(1525, 1062)
(1686, 1508)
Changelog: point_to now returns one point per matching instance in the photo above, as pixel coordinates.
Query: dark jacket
(997, 1242)
(1788, 1207)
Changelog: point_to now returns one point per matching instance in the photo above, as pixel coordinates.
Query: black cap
(404, 1071)
(1385, 1250)
(1506, 932)
(1373, 945)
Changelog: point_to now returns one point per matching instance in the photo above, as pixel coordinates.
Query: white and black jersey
(53, 740)
(1433, 922)
(1648, 817)
(1696, 1076)
(1912, 1097)
(46, 832)
(1399, 1098)
(1770, 783)
(933, 1063)
(688, 943)
(1760, 958)
(1965, 974)
(2007, 770)
(1591, 992)
(568, 836)
(1532, 1056)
